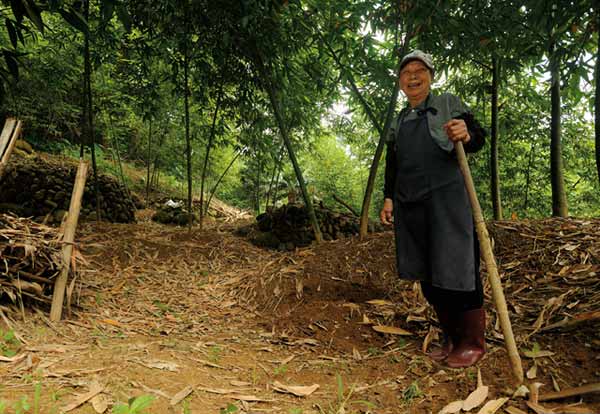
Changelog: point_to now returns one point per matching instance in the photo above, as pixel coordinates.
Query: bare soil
(161, 311)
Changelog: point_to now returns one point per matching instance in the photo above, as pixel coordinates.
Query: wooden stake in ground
(492, 268)
(8, 139)
(68, 237)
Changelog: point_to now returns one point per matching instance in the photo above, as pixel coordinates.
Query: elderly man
(426, 200)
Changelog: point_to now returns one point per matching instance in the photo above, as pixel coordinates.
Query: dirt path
(224, 327)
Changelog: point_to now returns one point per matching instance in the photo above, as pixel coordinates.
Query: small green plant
(37, 395)
(3, 406)
(401, 343)
(214, 354)
(135, 405)
(374, 351)
(185, 406)
(162, 307)
(9, 344)
(411, 392)
(231, 408)
(22, 406)
(343, 399)
(296, 411)
(280, 370)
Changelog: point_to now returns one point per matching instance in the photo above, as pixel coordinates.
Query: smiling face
(415, 82)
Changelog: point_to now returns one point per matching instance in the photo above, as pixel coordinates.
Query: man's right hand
(387, 212)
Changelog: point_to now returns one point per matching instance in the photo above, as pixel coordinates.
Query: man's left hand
(456, 129)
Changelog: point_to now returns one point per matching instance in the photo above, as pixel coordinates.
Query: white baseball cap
(420, 56)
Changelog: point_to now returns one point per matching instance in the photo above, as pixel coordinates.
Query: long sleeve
(390, 171)
(476, 131)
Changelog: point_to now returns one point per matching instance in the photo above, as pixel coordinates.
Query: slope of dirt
(208, 323)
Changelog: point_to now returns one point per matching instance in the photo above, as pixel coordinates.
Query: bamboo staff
(69, 235)
(8, 139)
(492, 268)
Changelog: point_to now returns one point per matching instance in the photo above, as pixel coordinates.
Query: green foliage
(9, 344)
(137, 405)
(231, 408)
(411, 392)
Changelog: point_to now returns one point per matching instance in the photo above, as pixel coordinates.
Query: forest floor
(208, 323)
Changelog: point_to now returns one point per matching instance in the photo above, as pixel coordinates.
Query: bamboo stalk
(571, 392)
(10, 133)
(492, 268)
(69, 235)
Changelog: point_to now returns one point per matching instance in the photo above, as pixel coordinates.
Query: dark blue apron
(432, 214)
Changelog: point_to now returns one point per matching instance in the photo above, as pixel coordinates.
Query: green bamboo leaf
(11, 63)
(75, 19)
(34, 14)
(12, 32)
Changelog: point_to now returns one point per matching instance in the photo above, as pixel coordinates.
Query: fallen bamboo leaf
(151, 390)
(532, 372)
(366, 320)
(297, 390)
(428, 338)
(95, 389)
(379, 302)
(15, 358)
(492, 406)
(521, 392)
(533, 353)
(220, 391)
(392, 330)
(452, 408)
(476, 398)
(306, 341)
(177, 398)
(99, 403)
(249, 398)
(56, 348)
(236, 383)
(156, 364)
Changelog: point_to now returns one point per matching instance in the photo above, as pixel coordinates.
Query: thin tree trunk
(89, 112)
(364, 214)
(276, 169)
(350, 78)
(288, 144)
(115, 147)
(495, 179)
(188, 143)
(149, 156)
(597, 96)
(207, 156)
(528, 177)
(559, 198)
(214, 189)
(274, 193)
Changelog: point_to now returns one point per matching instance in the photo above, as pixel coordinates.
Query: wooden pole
(8, 139)
(68, 237)
(492, 268)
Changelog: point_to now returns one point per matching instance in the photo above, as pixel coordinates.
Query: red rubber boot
(470, 347)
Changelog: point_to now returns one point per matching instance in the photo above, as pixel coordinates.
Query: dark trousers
(453, 300)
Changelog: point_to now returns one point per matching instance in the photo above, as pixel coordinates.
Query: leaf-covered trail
(206, 322)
